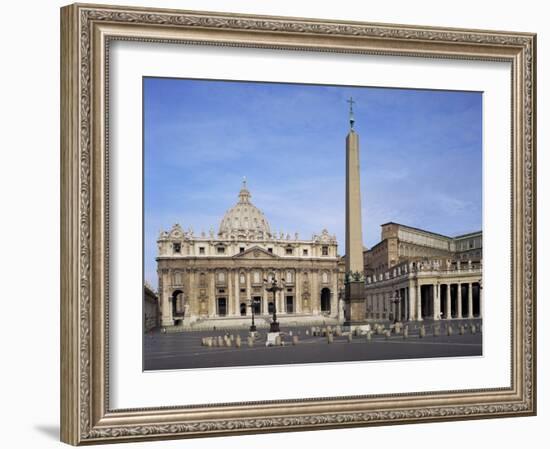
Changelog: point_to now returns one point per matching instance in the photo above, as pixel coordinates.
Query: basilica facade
(220, 278)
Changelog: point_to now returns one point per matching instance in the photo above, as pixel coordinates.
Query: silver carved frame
(86, 31)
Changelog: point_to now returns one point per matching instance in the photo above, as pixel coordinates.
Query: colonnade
(416, 301)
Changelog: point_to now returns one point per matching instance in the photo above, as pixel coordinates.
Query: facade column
(448, 302)
(315, 292)
(265, 298)
(334, 306)
(470, 301)
(437, 301)
(229, 293)
(459, 301)
(282, 301)
(419, 302)
(211, 285)
(248, 291)
(165, 305)
(298, 291)
(237, 289)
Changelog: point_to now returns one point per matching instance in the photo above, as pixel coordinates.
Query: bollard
(461, 329)
(449, 330)
(295, 340)
(330, 338)
(369, 335)
(307, 332)
(278, 340)
(473, 329)
(338, 331)
(350, 337)
(422, 332)
(228, 342)
(437, 331)
(250, 342)
(220, 340)
(209, 342)
(238, 341)
(387, 334)
(406, 332)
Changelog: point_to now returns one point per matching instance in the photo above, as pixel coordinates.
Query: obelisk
(355, 287)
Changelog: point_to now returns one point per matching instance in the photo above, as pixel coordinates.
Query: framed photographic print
(279, 224)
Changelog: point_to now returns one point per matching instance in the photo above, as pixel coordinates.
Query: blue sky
(421, 157)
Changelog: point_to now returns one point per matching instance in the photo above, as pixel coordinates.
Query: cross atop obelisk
(351, 117)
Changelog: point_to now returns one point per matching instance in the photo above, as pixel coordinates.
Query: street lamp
(274, 325)
(252, 306)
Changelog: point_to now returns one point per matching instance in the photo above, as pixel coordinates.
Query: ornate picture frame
(86, 34)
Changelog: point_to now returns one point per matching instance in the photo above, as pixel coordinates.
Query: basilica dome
(244, 218)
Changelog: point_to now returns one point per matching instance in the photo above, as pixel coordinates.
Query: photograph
(288, 223)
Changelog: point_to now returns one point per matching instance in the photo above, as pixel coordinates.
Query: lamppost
(252, 306)
(274, 325)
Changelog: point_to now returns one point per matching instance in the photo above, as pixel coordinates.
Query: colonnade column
(448, 302)
(470, 301)
(419, 302)
(459, 301)
(436, 300)
(406, 299)
(399, 306)
(412, 303)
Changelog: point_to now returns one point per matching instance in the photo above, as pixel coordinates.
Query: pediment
(256, 253)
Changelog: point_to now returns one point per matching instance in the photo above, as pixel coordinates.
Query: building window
(289, 251)
(304, 252)
(221, 290)
(221, 250)
(243, 290)
(270, 250)
(241, 249)
(201, 250)
(324, 250)
(177, 247)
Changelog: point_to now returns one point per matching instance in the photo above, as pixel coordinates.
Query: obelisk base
(355, 302)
